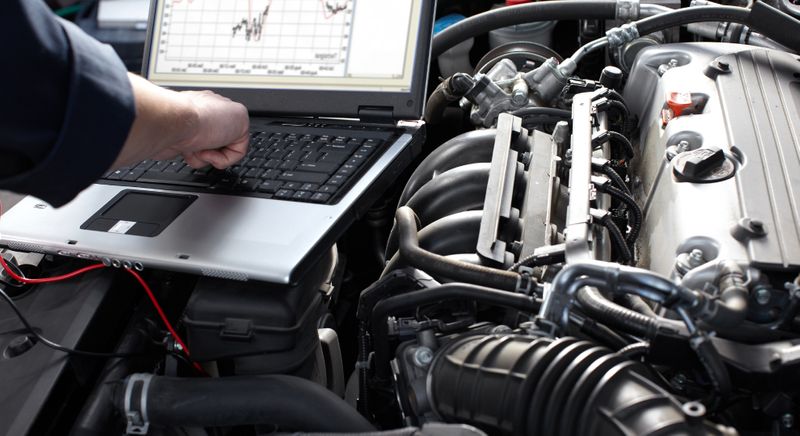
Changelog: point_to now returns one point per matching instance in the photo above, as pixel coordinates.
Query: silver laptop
(335, 89)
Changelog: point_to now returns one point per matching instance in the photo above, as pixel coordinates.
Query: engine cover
(720, 170)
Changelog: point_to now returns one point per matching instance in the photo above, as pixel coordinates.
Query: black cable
(634, 211)
(623, 250)
(50, 344)
(635, 350)
(539, 259)
(620, 139)
(615, 178)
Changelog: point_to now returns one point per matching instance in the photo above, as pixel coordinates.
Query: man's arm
(204, 127)
(69, 111)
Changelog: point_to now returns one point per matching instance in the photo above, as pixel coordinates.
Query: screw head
(763, 296)
(787, 420)
(423, 356)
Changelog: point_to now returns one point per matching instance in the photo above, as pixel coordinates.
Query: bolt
(696, 257)
(724, 66)
(762, 296)
(787, 420)
(683, 146)
(423, 357)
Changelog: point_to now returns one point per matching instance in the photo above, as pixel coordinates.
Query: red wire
(84, 270)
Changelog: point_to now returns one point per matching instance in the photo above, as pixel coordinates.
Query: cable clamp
(525, 281)
(136, 408)
(619, 36)
(365, 364)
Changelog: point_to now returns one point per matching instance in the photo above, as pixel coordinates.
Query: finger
(224, 157)
(194, 161)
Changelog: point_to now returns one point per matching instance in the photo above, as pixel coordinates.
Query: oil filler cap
(703, 165)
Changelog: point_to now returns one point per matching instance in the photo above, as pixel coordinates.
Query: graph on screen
(255, 37)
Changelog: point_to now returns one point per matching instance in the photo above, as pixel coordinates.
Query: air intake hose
(522, 385)
(292, 403)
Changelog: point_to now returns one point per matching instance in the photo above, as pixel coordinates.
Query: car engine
(602, 243)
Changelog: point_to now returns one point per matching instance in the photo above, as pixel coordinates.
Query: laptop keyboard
(286, 165)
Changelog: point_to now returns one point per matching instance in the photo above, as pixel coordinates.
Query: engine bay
(602, 236)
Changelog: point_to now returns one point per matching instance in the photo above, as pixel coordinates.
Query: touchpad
(139, 213)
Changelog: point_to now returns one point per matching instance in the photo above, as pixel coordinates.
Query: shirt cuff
(99, 113)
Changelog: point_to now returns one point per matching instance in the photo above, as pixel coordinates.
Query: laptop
(335, 89)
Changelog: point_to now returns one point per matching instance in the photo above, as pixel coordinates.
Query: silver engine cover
(752, 113)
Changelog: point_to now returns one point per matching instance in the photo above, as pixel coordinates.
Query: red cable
(136, 275)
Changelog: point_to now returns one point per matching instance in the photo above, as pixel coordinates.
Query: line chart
(259, 37)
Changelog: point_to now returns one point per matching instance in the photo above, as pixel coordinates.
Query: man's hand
(204, 127)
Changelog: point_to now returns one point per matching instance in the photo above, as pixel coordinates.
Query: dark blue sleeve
(66, 107)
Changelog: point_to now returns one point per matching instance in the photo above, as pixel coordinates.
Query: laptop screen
(348, 45)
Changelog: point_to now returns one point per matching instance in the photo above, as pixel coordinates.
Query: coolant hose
(470, 147)
(286, 401)
(511, 15)
(594, 304)
(437, 265)
(767, 20)
(450, 90)
(446, 292)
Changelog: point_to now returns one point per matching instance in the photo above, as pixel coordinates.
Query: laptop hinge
(376, 114)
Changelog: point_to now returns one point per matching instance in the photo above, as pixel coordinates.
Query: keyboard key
(174, 167)
(271, 164)
(160, 165)
(347, 169)
(254, 173)
(327, 189)
(288, 165)
(256, 162)
(303, 177)
(336, 158)
(271, 174)
(116, 175)
(337, 180)
(145, 165)
(319, 197)
(302, 195)
(356, 161)
(248, 184)
(270, 186)
(292, 185)
(309, 187)
(261, 153)
(284, 193)
(366, 151)
(179, 179)
(316, 167)
(132, 175)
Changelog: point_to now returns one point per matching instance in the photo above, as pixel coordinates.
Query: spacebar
(175, 179)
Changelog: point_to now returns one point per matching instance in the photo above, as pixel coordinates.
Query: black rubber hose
(446, 292)
(595, 305)
(635, 350)
(438, 265)
(634, 212)
(636, 303)
(471, 147)
(450, 90)
(453, 234)
(699, 14)
(286, 401)
(530, 12)
(543, 111)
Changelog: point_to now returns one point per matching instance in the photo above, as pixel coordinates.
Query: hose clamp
(136, 390)
(627, 10)
(619, 36)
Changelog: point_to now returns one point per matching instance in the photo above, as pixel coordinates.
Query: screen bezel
(407, 105)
